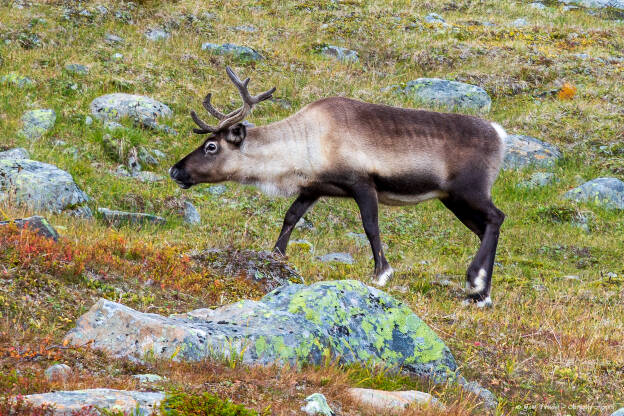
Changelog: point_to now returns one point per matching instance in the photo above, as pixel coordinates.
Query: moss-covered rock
(119, 105)
(343, 321)
(37, 123)
(608, 192)
(452, 95)
(523, 151)
(38, 185)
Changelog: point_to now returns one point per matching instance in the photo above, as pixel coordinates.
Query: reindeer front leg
(293, 215)
(366, 198)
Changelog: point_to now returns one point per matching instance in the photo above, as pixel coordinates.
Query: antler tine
(204, 128)
(215, 113)
(242, 89)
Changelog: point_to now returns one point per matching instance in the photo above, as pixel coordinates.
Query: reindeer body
(372, 153)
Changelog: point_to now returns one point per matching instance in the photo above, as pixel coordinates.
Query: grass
(550, 345)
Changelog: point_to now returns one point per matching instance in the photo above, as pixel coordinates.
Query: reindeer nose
(173, 172)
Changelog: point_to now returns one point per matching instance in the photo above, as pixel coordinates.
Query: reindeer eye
(211, 148)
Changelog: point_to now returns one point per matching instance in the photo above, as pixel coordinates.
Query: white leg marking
(487, 302)
(383, 278)
(479, 283)
(500, 130)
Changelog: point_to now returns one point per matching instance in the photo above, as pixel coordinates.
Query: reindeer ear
(236, 134)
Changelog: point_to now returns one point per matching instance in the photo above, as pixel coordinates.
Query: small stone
(537, 5)
(146, 157)
(448, 94)
(521, 22)
(246, 28)
(523, 151)
(77, 69)
(191, 215)
(341, 54)
(113, 39)
(115, 401)
(303, 245)
(58, 372)
(619, 412)
(112, 125)
(119, 105)
(117, 56)
(88, 121)
(80, 212)
(344, 258)
(116, 218)
(316, 404)
(240, 52)
(608, 192)
(392, 401)
(538, 179)
(304, 224)
(435, 18)
(101, 9)
(16, 153)
(37, 123)
(488, 399)
(155, 34)
(37, 224)
(572, 277)
(158, 154)
(122, 171)
(148, 378)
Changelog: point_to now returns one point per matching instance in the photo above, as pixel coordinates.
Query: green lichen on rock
(37, 123)
(344, 321)
(17, 80)
(452, 95)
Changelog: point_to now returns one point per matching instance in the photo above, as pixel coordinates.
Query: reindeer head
(209, 162)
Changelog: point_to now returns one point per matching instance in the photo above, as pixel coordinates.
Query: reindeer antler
(227, 120)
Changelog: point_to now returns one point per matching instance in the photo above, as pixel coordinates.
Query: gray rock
(448, 94)
(246, 28)
(435, 18)
(88, 121)
(304, 224)
(521, 22)
(37, 123)
(340, 320)
(158, 154)
(148, 378)
(80, 212)
(67, 403)
(58, 372)
(241, 52)
(316, 404)
(117, 218)
(134, 166)
(537, 5)
(262, 267)
(155, 34)
(619, 412)
(38, 224)
(608, 192)
(38, 185)
(113, 39)
(344, 258)
(77, 69)
(538, 179)
(117, 56)
(17, 80)
(122, 172)
(16, 153)
(119, 105)
(596, 4)
(151, 123)
(191, 215)
(360, 238)
(112, 125)
(146, 157)
(488, 399)
(390, 402)
(339, 53)
(523, 151)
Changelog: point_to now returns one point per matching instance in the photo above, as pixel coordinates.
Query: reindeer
(339, 147)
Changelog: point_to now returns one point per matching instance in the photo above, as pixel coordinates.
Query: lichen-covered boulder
(341, 54)
(37, 224)
(336, 320)
(597, 4)
(608, 192)
(119, 105)
(16, 153)
(37, 123)
(452, 95)
(241, 52)
(67, 403)
(38, 185)
(522, 151)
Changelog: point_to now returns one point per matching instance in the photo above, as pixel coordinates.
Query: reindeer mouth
(183, 185)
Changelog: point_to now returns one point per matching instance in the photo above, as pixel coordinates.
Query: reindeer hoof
(485, 303)
(382, 279)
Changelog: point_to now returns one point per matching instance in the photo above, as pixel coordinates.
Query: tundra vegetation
(552, 343)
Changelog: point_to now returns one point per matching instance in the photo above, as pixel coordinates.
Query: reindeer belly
(408, 189)
(389, 198)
